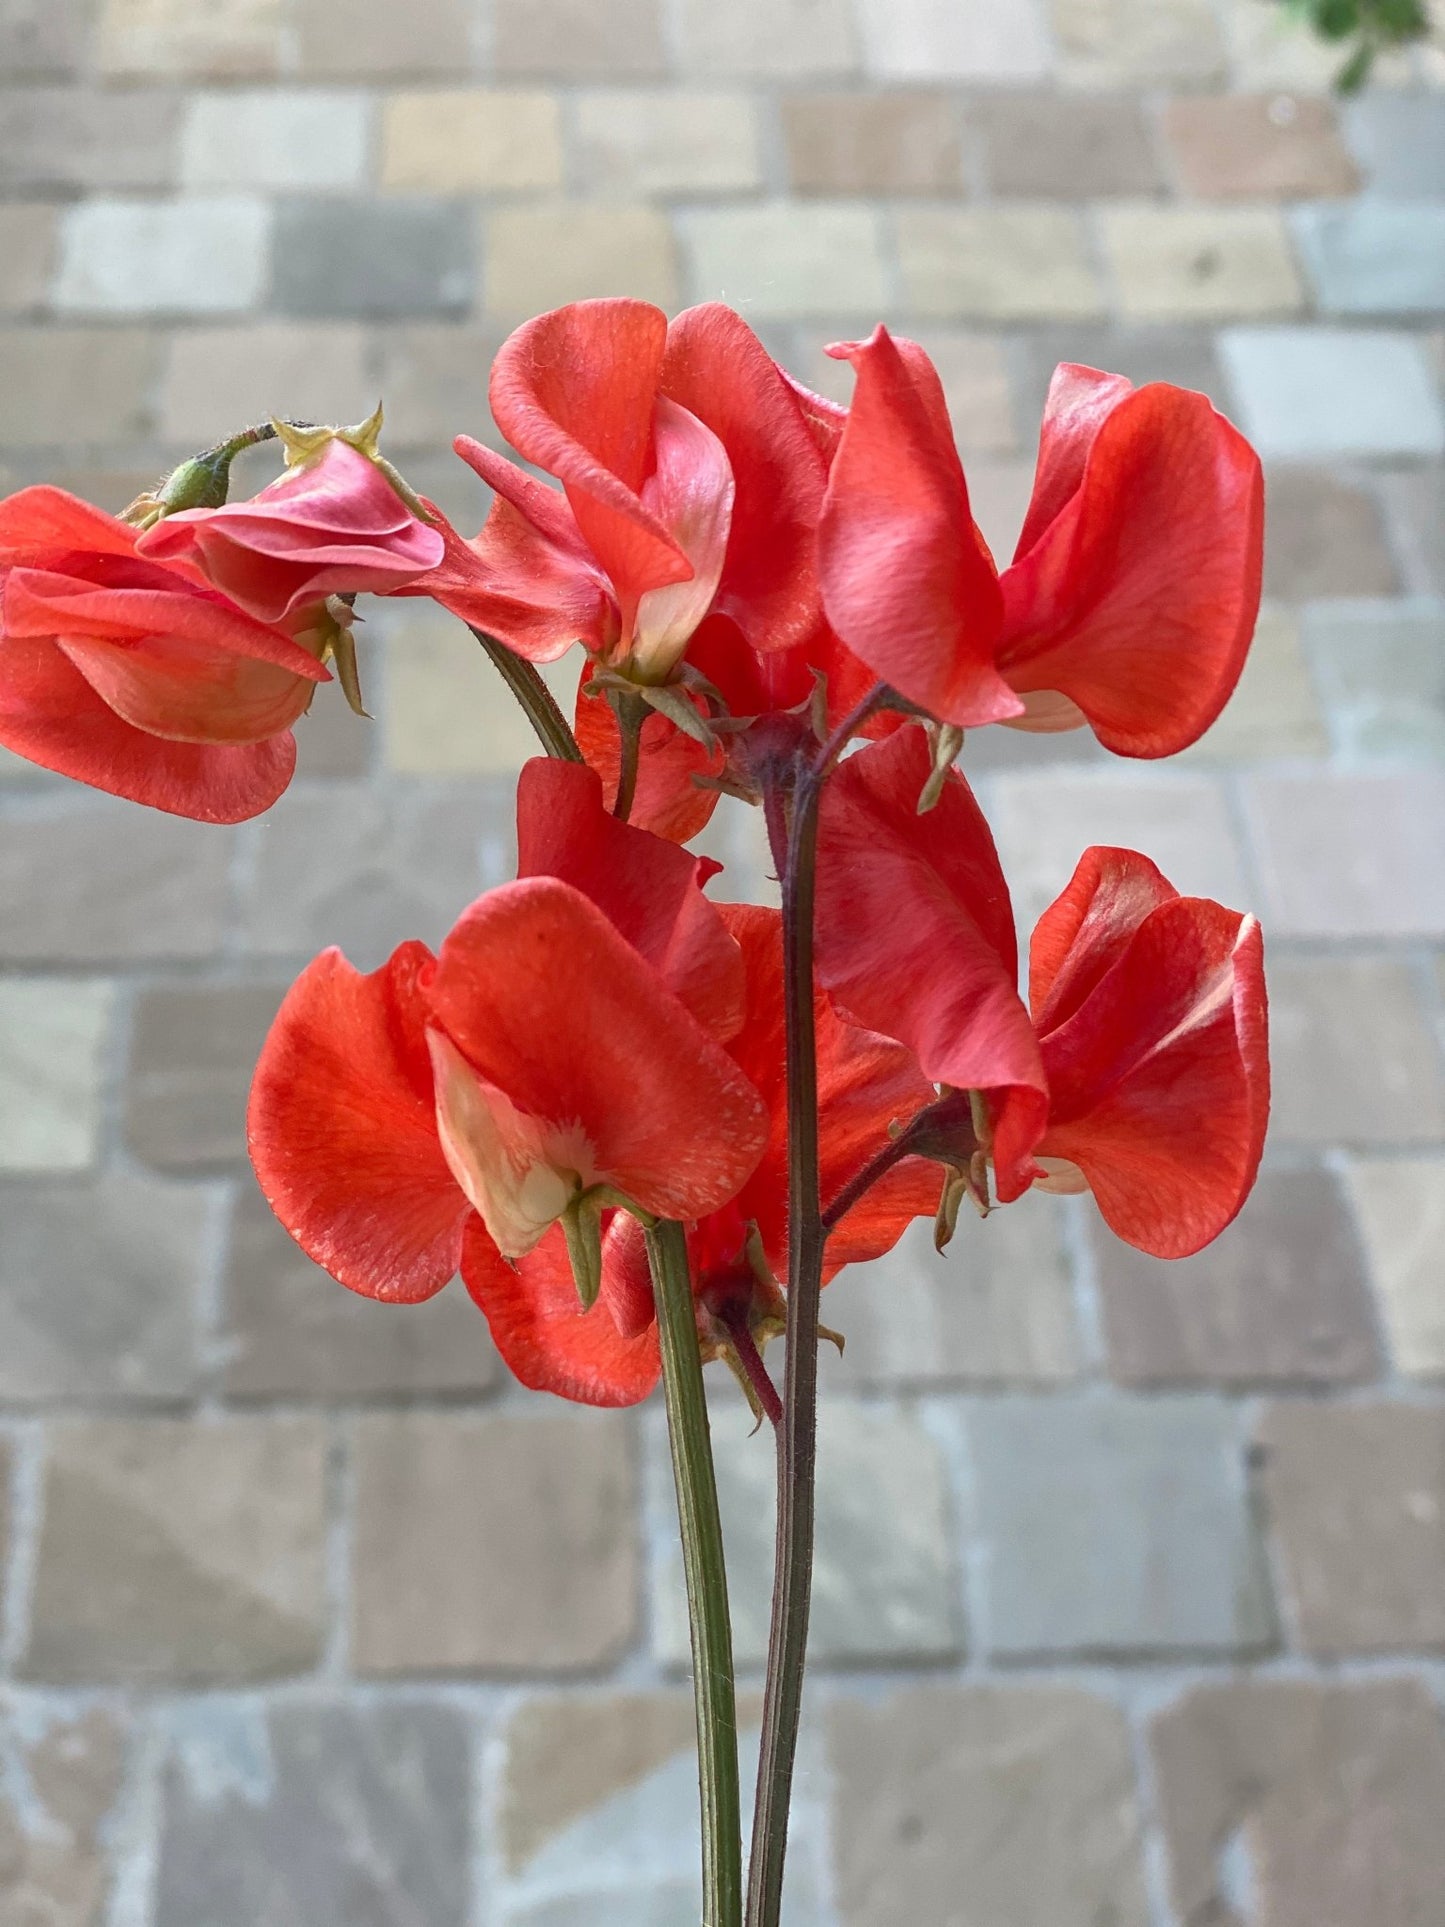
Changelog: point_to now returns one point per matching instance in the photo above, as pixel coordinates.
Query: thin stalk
(863, 1181)
(706, 1575)
(631, 713)
(540, 705)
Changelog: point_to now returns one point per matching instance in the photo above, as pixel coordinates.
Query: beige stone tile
(767, 37)
(1006, 264)
(52, 1040)
(645, 141)
(216, 380)
(484, 140)
(1346, 853)
(789, 258)
(1352, 1054)
(28, 250)
(1199, 263)
(361, 39)
(1121, 43)
(222, 40)
(447, 712)
(1274, 710)
(578, 38)
(882, 143)
(1400, 1205)
(540, 257)
(1257, 146)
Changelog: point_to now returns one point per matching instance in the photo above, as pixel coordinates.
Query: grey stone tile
(434, 376)
(1380, 668)
(187, 257)
(1354, 1499)
(315, 1813)
(43, 36)
(1415, 502)
(1400, 1204)
(59, 138)
(884, 1584)
(1323, 537)
(1353, 1057)
(978, 1805)
(344, 257)
(1184, 356)
(1280, 1296)
(62, 1777)
(63, 384)
(52, 1045)
(1399, 141)
(358, 40)
(1385, 834)
(1116, 1526)
(193, 1050)
(1374, 257)
(1325, 1799)
(1305, 394)
(172, 1552)
(997, 1306)
(97, 1288)
(290, 1331)
(1063, 147)
(88, 880)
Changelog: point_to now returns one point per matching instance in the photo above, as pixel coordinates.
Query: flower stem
(631, 712)
(537, 700)
(702, 1560)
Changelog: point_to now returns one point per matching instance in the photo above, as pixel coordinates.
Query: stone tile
(358, 40)
(52, 1043)
(61, 138)
(216, 378)
(1399, 142)
(984, 1804)
(174, 39)
(193, 1049)
(881, 143)
(766, 37)
(290, 139)
(1400, 1207)
(1200, 263)
(1274, 710)
(330, 740)
(43, 36)
(999, 494)
(646, 141)
(290, 1331)
(163, 257)
(934, 40)
(366, 870)
(473, 140)
(1380, 668)
(1178, 354)
(1045, 820)
(1118, 1526)
(174, 1552)
(787, 258)
(28, 247)
(974, 370)
(164, 891)
(1123, 43)
(5, 1471)
(1306, 394)
(884, 1589)
(1353, 1055)
(1374, 257)
(1327, 1796)
(1415, 502)
(98, 1285)
(1354, 1499)
(544, 256)
(62, 1779)
(1068, 148)
(1280, 1296)
(434, 379)
(1323, 538)
(494, 1545)
(1257, 146)
(447, 713)
(338, 257)
(570, 37)
(996, 1307)
(1006, 264)
(72, 384)
(315, 1812)
(1385, 838)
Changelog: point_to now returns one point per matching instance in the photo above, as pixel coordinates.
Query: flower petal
(49, 523)
(667, 800)
(343, 1130)
(690, 491)
(188, 692)
(1078, 403)
(1087, 928)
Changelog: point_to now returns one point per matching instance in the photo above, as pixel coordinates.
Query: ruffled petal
(343, 1130)
(40, 525)
(915, 937)
(551, 1005)
(541, 1330)
(1087, 928)
(188, 692)
(1137, 599)
(649, 889)
(1079, 401)
(908, 583)
(690, 491)
(667, 801)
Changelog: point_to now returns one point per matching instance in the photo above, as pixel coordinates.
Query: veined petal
(1079, 402)
(1087, 928)
(51, 523)
(189, 692)
(343, 1128)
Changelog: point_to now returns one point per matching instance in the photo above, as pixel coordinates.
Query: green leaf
(1356, 70)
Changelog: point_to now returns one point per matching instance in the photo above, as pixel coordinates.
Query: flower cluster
(780, 600)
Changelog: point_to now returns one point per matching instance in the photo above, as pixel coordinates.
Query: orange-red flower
(135, 677)
(1134, 589)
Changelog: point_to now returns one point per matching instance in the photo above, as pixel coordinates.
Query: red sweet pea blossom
(609, 1355)
(1134, 589)
(137, 678)
(333, 524)
(562, 1039)
(1153, 1024)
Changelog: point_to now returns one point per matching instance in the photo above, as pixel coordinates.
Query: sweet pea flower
(1133, 591)
(136, 677)
(562, 1047)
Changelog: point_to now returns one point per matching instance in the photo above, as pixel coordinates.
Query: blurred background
(1131, 1595)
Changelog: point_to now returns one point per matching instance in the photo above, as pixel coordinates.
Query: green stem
(631, 713)
(706, 1574)
(537, 700)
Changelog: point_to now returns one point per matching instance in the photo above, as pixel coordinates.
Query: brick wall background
(1132, 1589)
